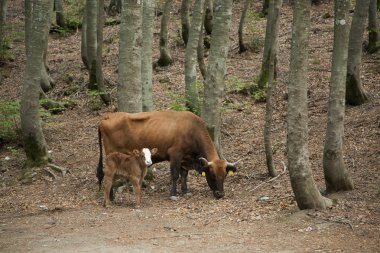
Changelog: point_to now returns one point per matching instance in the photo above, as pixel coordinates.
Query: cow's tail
(99, 171)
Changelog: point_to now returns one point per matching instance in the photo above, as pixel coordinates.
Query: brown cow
(181, 138)
(131, 165)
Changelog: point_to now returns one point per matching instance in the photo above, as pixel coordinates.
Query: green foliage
(258, 32)
(177, 101)
(234, 85)
(73, 11)
(9, 121)
(260, 95)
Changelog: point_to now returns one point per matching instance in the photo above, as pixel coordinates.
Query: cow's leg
(107, 188)
(175, 167)
(184, 173)
(137, 189)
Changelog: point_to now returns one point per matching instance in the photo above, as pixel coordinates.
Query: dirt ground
(57, 213)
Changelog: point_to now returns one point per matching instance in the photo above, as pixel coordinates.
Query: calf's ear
(136, 152)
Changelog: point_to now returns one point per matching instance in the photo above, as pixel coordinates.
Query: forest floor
(64, 213)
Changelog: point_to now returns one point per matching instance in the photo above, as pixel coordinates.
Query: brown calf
(132, 165)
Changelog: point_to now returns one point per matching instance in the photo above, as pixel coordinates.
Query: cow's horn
(233, 164)
(205, 161)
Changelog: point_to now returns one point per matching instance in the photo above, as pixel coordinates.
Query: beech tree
(336, 175)
(191, 92)
(214, 85)
(165, 57)
(59, 13)
(355, 93)
(33, 138)
(242, 46)
(209, 15)
(273, 13)
(129, 93)
(305, 190)
(373, 27)
(185, 20)
(3, 15)
(146, 54)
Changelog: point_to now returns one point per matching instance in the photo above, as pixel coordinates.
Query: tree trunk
(274, 13)
(373, 30)
(146, 56)
(273, 22)
(209, 15)
(200, 49)
(165, 57)
(34, 141)
(99, 53)
(91, 34)
(243, 47)
(214, 87)
(191, 91)
(185, 20)
(60, 17)
(336, 175)
(355, 94)
(129, 95)
(3, 17)
(264, 10)
(303, 185)
(83, 49)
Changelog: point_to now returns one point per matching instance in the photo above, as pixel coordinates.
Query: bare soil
(64, 213)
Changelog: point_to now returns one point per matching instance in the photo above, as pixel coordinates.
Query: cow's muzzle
(218, 194)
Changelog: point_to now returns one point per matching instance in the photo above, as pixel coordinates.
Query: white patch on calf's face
(147, 156)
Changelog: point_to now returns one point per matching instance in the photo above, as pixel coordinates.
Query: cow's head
(215, 172)
(146, 155)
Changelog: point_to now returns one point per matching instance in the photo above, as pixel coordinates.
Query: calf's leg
(107, 188)
(137, 189)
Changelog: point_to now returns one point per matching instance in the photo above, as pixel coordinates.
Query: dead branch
(58, 168)
(270, 180)
(50, 172)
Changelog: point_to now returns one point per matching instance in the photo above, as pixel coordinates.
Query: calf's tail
(99, 171)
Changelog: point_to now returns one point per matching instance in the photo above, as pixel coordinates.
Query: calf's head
(145, 155)
(215, 172)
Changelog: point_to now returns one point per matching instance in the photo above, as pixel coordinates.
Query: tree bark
(373, 29)
(60, 17)
(274, 12)
(146, 56)
(185, 20)
(214, 87)
(355, 93)
(99, 53)
(3, 18)
(336, 175)
(34, 141)
(264, 10)
(200, 49)
(191, 91)
(165, 57)
(91, 35)
(129, 96)
(114, 7)
(273, 21)
(84, 39)
(303, 185)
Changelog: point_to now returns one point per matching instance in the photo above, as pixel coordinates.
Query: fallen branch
(58, 168)
(51, 173)
(270, 180)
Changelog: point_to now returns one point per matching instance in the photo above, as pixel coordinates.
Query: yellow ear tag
(230, 172)
(203, 174)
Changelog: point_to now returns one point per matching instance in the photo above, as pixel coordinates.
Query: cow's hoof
(174, 198)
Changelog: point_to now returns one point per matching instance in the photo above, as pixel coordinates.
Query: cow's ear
(154, 151)
(203, 171)
(230, 169)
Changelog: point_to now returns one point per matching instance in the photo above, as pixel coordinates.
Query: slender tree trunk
(274, 12)
(303, 185)
(165, 57)
(91, 34)
(146, 61)
(373, 29)
(114, 7)
(209, 15)
(264, 10)
(185, 20)
(83, 49)
(34, 141)
(200, 50)
(129, 97)
(99, 53)
(60, 17)
(191, 91)
(355, 93)
(273, 21)
(3, 18)
(214, 87)
(243, 47)
(336, 175)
